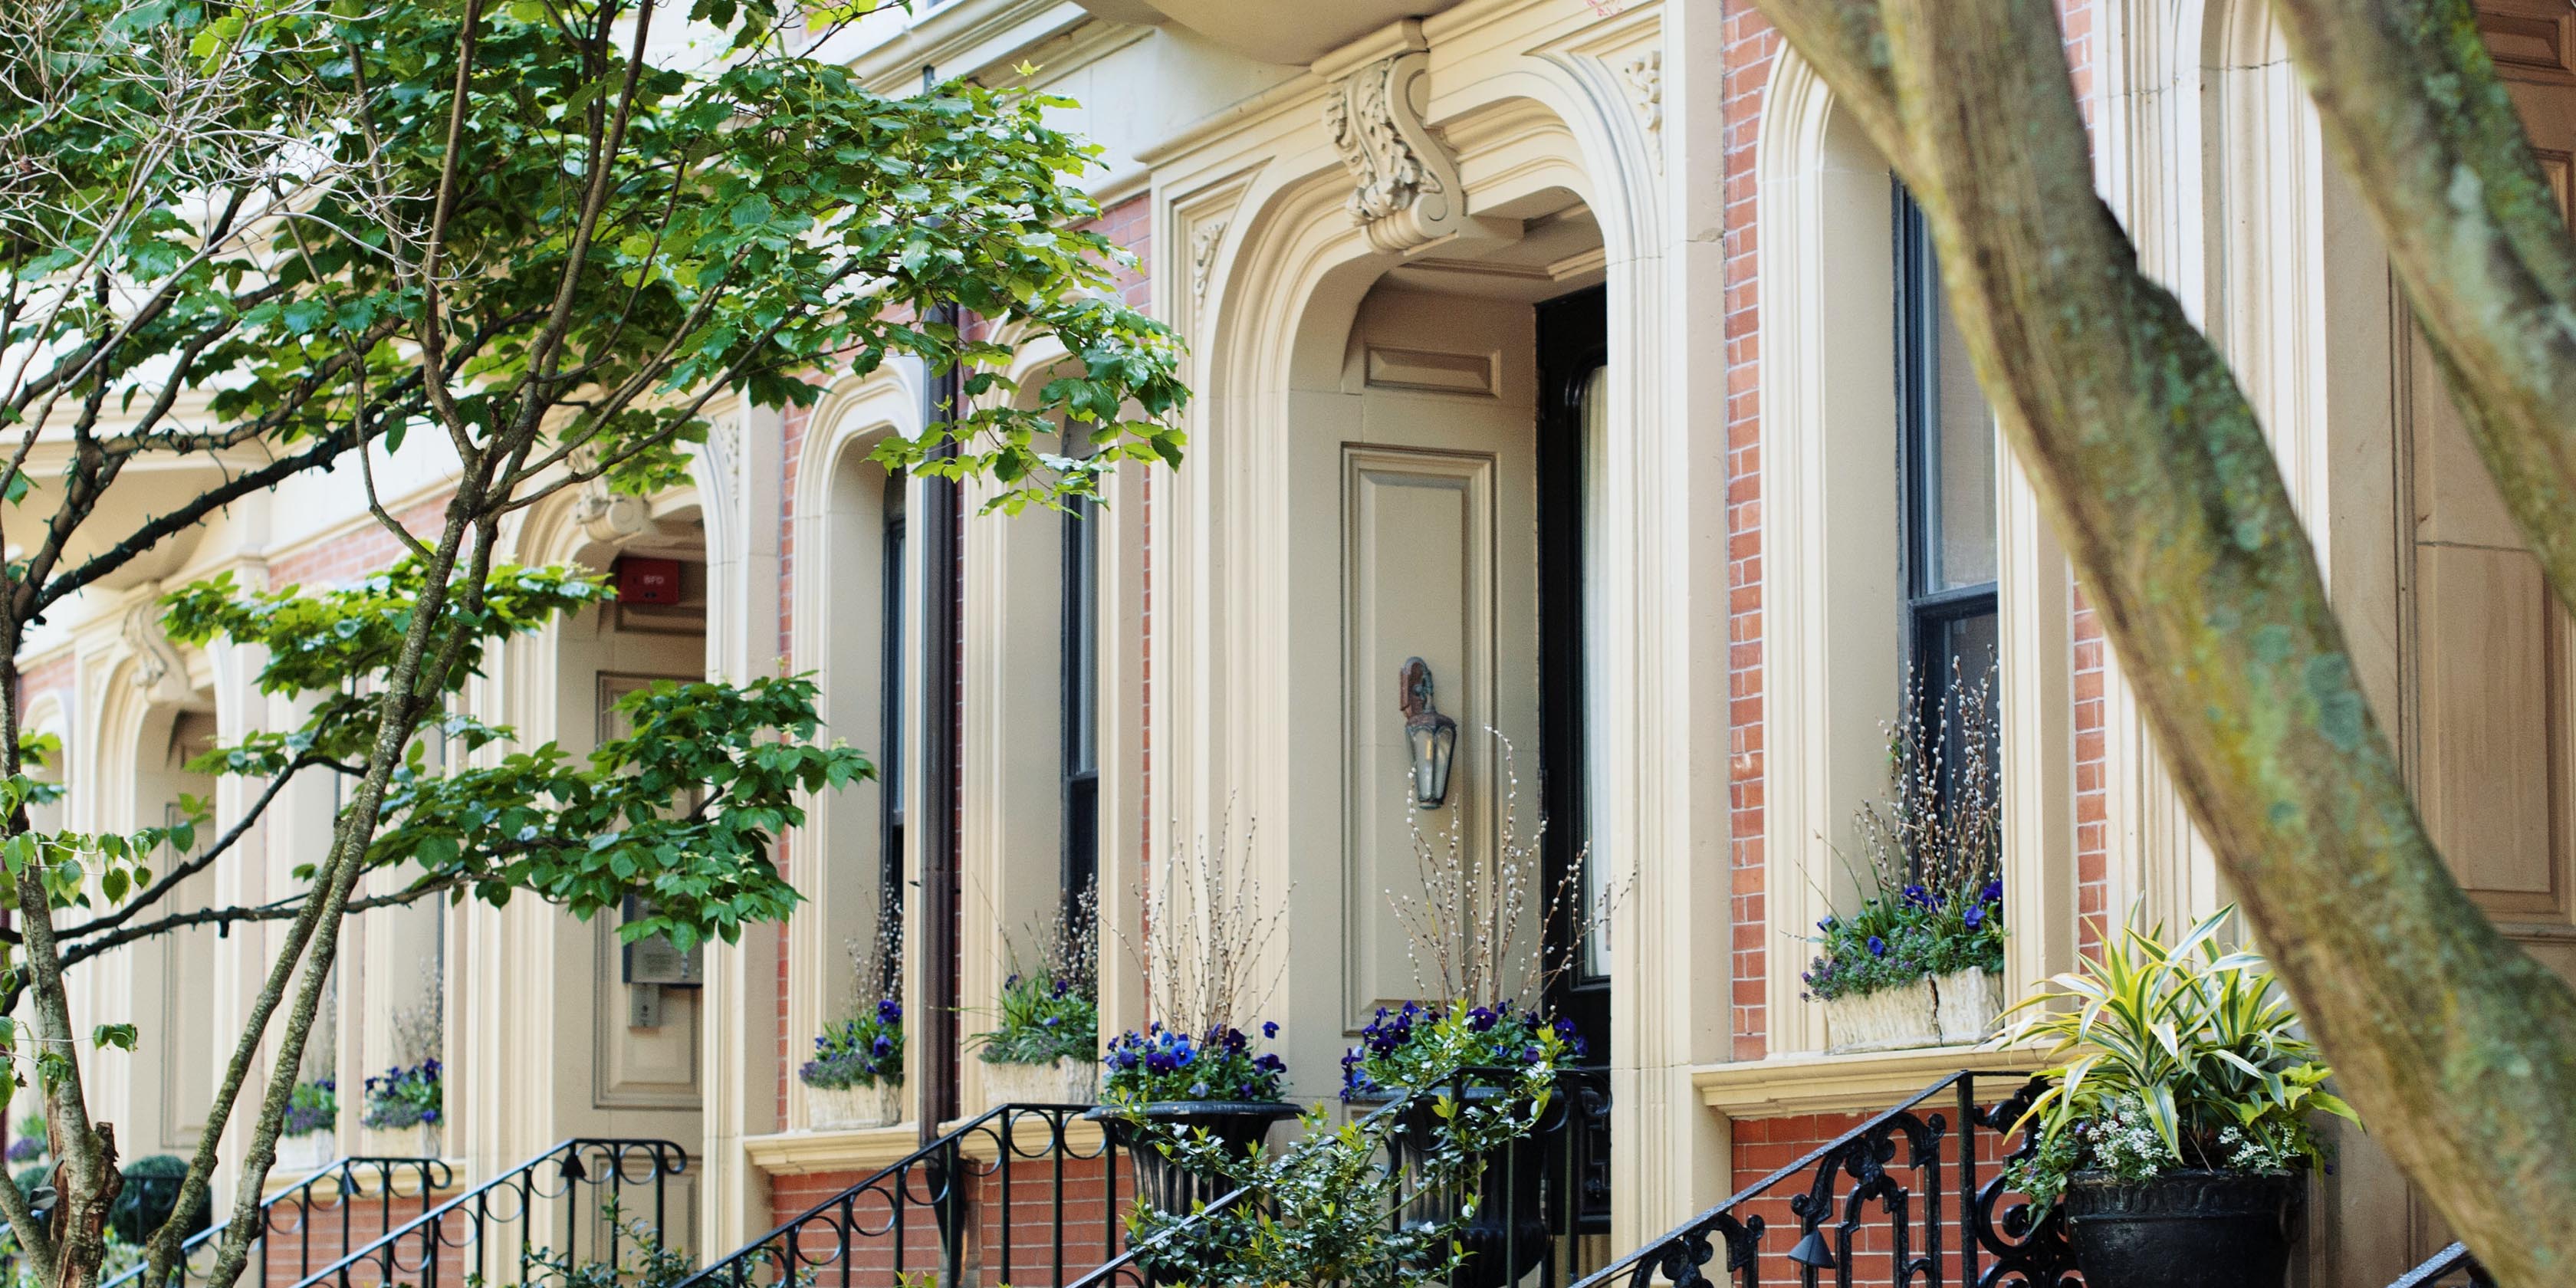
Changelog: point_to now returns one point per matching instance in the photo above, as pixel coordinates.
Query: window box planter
(1958, 1009)
(420, 1140)
(2189, 1229)
(1062, 1082)
(310, 1152)
(875, 1104)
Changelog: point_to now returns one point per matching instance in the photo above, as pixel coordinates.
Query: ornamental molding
(1644, 77)
(1204, 241)
(158, 669)
(1405, 189)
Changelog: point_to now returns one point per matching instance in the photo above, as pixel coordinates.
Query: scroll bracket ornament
(1405, 189)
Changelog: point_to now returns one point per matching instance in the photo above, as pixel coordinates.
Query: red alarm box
(648, 581)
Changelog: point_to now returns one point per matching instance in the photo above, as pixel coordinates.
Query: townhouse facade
(1581, 350)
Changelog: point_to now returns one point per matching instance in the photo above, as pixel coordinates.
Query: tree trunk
(2458, 1048)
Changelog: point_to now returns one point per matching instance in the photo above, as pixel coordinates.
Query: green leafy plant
(861, 1051)
(1397, 1044)
(643, 1260)
(1319, 1208)
(313, 1108)
(409, 1096)
(1050, 1010)
(1932, 901)
(250, 244)
(2182, 1057)
(1044, 1017)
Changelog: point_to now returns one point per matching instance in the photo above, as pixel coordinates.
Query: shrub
(859, 1052)
(1167, 1064)
(151, 1193)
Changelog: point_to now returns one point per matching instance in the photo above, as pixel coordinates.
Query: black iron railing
(316, 1220)
(508, 1229)
(1025, 1194)
(1896, 1199)
(1569, 1150)
(2452, 1267)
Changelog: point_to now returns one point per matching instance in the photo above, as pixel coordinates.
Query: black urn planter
(1161, 1180)
(2189, 1229)
(1506, 1237)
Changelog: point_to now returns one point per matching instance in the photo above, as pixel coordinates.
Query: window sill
(802, 1153)
(1864, 1082)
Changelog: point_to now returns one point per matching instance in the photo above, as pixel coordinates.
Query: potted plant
(1192, 1071)
(1493, 1212)
(855, 1079)
(306, 1140)
(2178, 1133)
(1920, 962)
(1477, 943)
(856, 1076)
(1045, 1048)
(405, 1106)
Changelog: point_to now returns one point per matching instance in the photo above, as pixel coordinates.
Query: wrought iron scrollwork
(494, 1229)
(1898, 1173)
(2029, 1252)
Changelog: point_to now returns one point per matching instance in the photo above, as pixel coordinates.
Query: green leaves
(2196, 1043)
(684, 810)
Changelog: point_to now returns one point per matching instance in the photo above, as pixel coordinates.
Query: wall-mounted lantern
(1432, 737)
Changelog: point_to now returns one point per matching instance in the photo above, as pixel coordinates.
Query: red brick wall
(1030, 1191)
(1750, 49)
(1750, 45)
(339, 560)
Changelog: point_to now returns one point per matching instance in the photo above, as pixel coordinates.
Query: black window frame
(891, 765)
(1078, 653)
(1932, 614)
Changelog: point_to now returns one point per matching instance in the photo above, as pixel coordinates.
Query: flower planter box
(878, 1104)
(1891, 1019)
(2183, 1229)
(419, 1140)
(1968, 1005)
(308, 1153)
(1064, 1082)
(1959, 1009)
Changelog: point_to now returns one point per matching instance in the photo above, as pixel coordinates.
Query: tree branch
(2411, 106)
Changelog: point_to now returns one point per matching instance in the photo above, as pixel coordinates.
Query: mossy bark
(2458, 1047)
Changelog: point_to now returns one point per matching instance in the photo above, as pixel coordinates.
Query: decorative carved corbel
(158, 669)
(1405, 191)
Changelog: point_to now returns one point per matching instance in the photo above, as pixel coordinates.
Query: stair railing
(467, 1238)
(298, 1222)
(1864, 1215)
(2452, 1267)
(1008, 1178)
